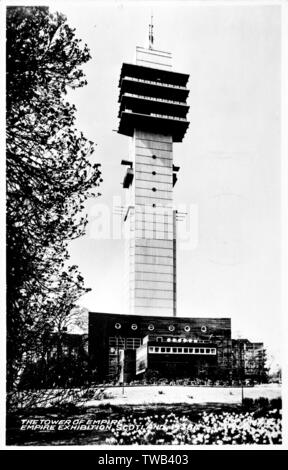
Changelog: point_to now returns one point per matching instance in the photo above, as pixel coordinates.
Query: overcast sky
(229, 181)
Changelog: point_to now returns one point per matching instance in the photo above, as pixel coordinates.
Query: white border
(204, 3)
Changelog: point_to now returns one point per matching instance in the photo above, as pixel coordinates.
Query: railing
(186, 340)
(165, 116)
(152, 82)
(124, 343)
(154, 99)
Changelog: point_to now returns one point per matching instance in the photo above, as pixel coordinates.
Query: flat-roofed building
(174, 347)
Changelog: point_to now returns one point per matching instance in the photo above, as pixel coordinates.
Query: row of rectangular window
(154, 349)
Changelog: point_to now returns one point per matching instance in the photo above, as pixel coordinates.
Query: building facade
(249, 360)
(174, 347)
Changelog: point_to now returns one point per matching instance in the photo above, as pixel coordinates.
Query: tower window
(134, 326)
(117, 326)
(154, 189)
(154, 173)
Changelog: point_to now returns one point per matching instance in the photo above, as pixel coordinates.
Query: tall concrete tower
(152, 113)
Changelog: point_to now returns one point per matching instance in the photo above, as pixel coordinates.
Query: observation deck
(151, 99)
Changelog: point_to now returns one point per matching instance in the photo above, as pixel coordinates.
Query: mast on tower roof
(151, 33)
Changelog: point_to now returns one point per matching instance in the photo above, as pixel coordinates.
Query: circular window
(190, 340)
(134, 326)
(154, 173)
(187, 328)
(184, 340)
(154, 189)
(150, 327)
(203, 329)
(171, 328)
(117, 326)
(179, 340)
(154, 156)
(153, 205)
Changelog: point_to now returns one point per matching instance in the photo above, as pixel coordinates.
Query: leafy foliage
(49, 177)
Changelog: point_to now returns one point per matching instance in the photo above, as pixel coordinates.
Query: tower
(152, 112)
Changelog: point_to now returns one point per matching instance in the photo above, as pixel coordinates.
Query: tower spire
(151, 33)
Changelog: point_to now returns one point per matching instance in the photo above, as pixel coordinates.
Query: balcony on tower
(152, 96)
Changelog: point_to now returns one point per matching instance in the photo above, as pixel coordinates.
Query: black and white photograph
(144, 212)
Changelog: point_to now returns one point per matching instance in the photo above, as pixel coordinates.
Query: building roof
(149, 73)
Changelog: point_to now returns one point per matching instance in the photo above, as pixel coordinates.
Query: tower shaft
(153, 113)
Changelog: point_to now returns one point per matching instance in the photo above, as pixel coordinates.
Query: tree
(49, 178)
(75, 322)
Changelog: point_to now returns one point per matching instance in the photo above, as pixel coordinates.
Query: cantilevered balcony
(154, 100)
(153, 88)
(148, 104)
(175, 126)
(157, 75)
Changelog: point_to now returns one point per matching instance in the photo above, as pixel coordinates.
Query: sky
(229, 184)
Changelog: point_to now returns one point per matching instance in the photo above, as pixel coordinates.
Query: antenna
(151, 33)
